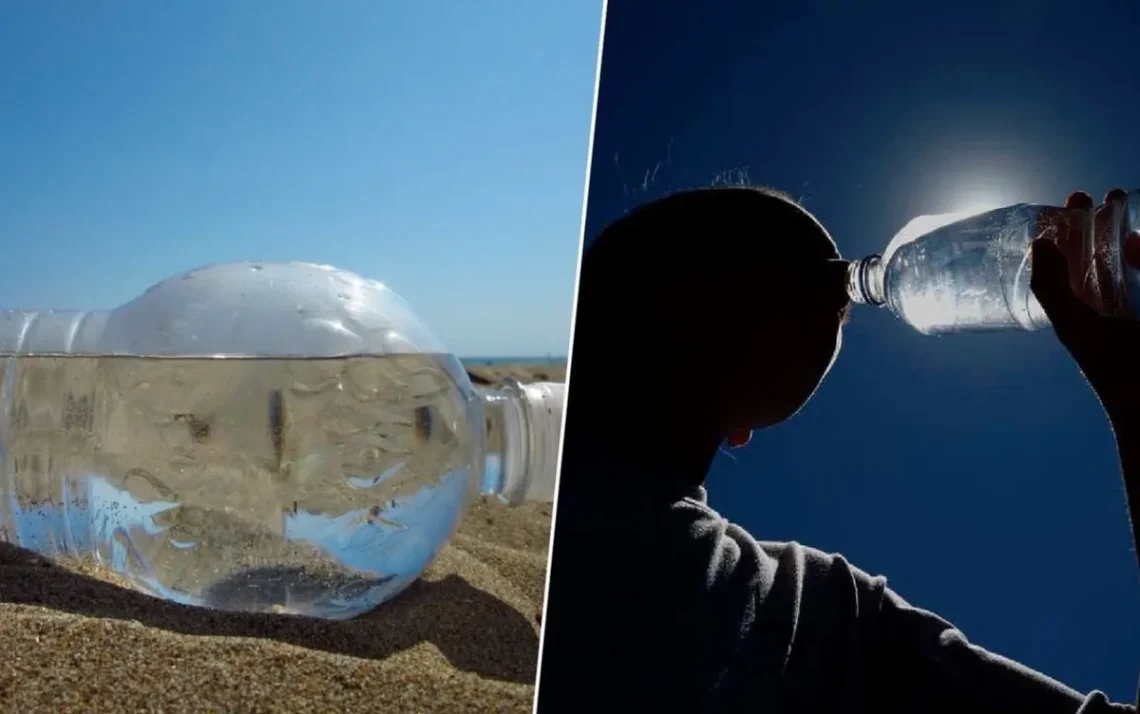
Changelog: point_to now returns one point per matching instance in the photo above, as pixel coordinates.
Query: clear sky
(976, 472)
(439, 147)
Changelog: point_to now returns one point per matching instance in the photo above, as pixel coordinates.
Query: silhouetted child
(656, 602)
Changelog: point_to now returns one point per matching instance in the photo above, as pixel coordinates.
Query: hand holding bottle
(1106, 349)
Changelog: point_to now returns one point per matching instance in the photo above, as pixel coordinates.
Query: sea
(494, 361)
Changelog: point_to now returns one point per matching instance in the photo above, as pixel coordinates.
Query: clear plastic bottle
(255, 437)
(970, 272)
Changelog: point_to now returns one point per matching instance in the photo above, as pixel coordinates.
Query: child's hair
(688, 241)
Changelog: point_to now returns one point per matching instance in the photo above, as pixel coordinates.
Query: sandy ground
(463, 638)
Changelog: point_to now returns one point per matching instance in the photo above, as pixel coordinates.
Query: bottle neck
(865, 285)
(51, 332)
(523, 432)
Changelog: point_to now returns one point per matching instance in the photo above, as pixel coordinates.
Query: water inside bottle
(312, 486)
(967, 274)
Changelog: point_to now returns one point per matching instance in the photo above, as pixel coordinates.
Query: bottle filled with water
(970, 272)
(258, 437)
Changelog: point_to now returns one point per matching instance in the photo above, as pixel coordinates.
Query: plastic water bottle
(970, 272)
(255, 437)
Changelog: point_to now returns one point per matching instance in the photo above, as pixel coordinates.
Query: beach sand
(463, 638)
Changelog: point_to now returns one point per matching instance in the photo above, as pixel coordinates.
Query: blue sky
(977, 472)
(439, 147)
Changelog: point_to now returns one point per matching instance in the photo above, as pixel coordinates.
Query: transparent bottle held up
(256, 437)
(970, 272)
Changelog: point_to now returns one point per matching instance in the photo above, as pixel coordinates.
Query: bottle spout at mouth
(865, 281)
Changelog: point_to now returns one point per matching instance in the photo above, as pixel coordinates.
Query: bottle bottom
(318, 565)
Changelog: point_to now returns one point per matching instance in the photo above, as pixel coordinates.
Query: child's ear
(738, 438)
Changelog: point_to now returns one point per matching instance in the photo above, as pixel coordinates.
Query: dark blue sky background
(976, 472)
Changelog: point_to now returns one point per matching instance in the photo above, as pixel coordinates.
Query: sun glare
(976, 197)
(981, 193)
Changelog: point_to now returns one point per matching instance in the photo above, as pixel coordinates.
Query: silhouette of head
(737, 296)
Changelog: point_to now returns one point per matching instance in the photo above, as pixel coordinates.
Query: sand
(463, 638)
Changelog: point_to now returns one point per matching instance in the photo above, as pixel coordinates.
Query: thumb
(1049, 281)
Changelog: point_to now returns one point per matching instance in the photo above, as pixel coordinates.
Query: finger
(1062, 227)
(1072, 241)
(1102, 286)
(1115, 194)
(1079, 199)
(1049, 281)
(1119, 196)
(1130, 243)
(1132, 250)
(1112, 233)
